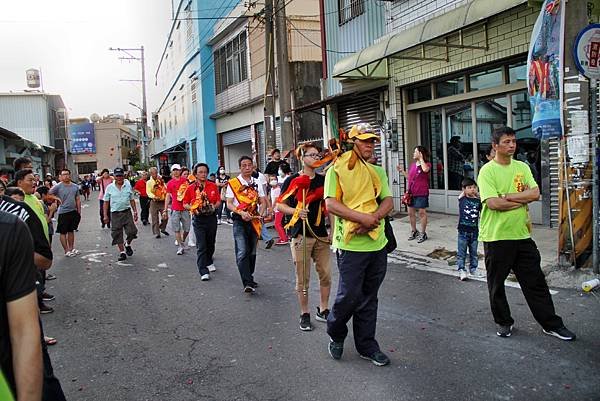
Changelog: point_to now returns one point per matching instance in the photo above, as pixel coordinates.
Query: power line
(310, 40)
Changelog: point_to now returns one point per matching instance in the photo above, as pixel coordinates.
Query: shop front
(455, 117)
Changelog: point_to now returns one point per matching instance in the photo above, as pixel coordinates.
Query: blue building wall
(352, 36)
(196, 66)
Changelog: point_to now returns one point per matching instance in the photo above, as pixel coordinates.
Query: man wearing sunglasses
(357, 193)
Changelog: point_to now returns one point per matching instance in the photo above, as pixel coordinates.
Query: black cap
(118, 172)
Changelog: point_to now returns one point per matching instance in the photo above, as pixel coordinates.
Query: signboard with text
(586, 51)
(82, 138)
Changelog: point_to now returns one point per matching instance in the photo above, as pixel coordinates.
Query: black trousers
(361, 275)
(205, 230)
(144, 208)
(523, 257)
(51, 389)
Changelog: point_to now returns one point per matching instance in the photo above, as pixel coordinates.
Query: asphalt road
(149, 329)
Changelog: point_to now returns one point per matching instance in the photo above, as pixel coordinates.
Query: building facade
(116, 145)
(448, 72)
(183, 132)
(239, 54)
(39, 120)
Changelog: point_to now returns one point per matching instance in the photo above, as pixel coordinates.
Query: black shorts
(68, 222)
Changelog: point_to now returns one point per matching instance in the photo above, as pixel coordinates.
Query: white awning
(371, 62)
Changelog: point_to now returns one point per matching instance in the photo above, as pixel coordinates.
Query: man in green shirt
(358, 195)
(507, 186)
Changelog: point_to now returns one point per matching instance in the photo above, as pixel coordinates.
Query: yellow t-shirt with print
(494, 180)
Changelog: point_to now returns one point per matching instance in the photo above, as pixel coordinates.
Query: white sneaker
(176, 243)
(462, 275)
(219, 222)
(180, 251)
(75, 251)
(69, 254)
(477, 274)
(212, 268)
(205, 277)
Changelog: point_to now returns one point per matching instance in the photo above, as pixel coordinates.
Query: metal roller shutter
(554, 167)
(364, 108)
(237, 136)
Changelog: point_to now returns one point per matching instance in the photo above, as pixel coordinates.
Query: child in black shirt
(468, 228)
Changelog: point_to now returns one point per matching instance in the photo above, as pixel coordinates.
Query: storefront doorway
(459, 136)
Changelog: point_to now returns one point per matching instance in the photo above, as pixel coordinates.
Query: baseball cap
(363, 131)
(118, 172)
(175, 167)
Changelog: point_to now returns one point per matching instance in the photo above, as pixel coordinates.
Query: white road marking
(93, 257)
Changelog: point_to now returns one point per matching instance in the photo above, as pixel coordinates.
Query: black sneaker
(44, 309)
(378, 358)
(249, 289)
(129, 250)
(422, 237)
(269, 243)
(305, 322)
(122, 257)
(47, 297)
(563, 333)
(504, 331)
(50, 276)
(413, 235)
(322, 316)
(254, 284)
(157, 236)
(165, 232)
(336, 349)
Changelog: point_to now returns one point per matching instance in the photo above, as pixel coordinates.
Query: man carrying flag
(357, 193)
(302, 197)
(247, 202)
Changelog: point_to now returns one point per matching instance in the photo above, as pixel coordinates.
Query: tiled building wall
(508, 35)
(407, 13)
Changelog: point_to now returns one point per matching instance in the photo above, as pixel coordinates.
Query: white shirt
(253, 181)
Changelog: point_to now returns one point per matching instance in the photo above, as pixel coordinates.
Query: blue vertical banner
(544, 64)
(82, 138)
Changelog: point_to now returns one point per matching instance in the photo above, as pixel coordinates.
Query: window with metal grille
(349, 9)
(231, 64)
(193, 90)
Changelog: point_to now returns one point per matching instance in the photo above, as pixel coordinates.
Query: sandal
(50, 340)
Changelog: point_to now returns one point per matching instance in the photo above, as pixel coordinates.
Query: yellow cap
(363, 131)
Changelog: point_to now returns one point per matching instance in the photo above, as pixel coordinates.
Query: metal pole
(144, 110)
(284, 77)
(65, 139)
(595, 194)
(269, 103)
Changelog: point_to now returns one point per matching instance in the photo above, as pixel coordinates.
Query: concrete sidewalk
(442, 238)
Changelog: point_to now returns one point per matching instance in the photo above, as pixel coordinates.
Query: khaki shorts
(119, 222)
(180, 220)
(317, 251)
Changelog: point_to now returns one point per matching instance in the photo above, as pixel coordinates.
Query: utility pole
(143, 110)
(269, 102)
(284, 77)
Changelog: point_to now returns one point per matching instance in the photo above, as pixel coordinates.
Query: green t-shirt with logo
(5, 393)
(494, 180)
(36, 205)
(358, 242)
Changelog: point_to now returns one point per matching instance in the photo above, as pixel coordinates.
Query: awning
(339, 97)
(179, 148)
(371, 61)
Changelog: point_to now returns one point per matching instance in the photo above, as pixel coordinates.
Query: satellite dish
(95, 117)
